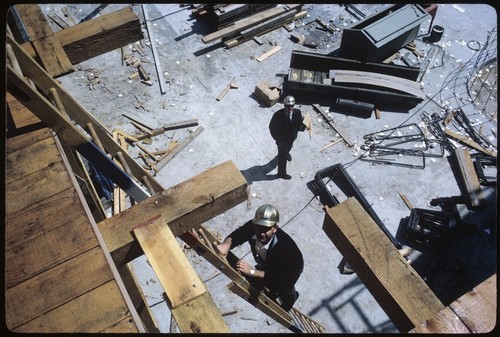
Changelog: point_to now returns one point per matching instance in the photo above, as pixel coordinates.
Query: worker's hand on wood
(223, 248)
(243, 267)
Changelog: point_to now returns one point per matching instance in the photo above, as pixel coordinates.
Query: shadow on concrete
(452, 265)
(260, 172)
(326, 304)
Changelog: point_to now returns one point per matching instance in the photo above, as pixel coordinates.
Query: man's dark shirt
(283, 130)
(284, 262)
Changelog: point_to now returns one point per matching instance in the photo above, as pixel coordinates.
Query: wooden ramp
(58, 277)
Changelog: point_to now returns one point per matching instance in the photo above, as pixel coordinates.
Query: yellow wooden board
(176, 275)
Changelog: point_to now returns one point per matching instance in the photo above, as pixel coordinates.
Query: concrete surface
(236, 128)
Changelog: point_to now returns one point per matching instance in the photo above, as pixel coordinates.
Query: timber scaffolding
(71, 134)
(47, 140)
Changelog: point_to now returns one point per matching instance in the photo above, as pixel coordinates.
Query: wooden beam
(332, 124)
(97, 36)
(167, 158)
(183, 206)
(186, 292)
(468, 142)
(379, 80)
(473, 312)
(48, 48)
(159, 72)
(469, 178)
(396, 286)
(168, 127)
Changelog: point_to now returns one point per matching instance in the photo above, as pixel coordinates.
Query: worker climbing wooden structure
(205, 242)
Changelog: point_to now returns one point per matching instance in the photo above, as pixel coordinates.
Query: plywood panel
(92, 312)
(56, 286)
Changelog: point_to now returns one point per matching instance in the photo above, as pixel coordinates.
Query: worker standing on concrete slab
(279, 260)
(284, 127)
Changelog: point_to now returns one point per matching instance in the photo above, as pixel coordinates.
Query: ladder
(204, 243)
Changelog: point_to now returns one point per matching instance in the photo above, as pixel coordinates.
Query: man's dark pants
(283, 152)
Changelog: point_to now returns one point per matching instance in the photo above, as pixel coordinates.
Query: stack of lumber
(255, 24)
(223, 15)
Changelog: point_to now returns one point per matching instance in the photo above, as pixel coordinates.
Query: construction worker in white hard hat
(284, 127)
(279, 260)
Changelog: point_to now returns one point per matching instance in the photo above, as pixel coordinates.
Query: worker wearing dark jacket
(284, 127)
(279, 260)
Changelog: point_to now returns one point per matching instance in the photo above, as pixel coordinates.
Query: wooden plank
(179, 280)
(97, 36)
(28, 160)
(21, 116)
(177, 277)
(473, 312)
(468, 142)
(24, 302)
(469, 177)
(169, 127)
(156, 57)
(335, 127)
(273, 51)
(192, 317)
(171, 155)
(46, 247)
(406, 201)
(47, 46)
(240, 39)
(446, 321)
(183, 206)
(81, 314)
(246, 23)
(379, 80)
(399, 290)
(41, 184)
(478, 308)
(19, 142)
(138, 298)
